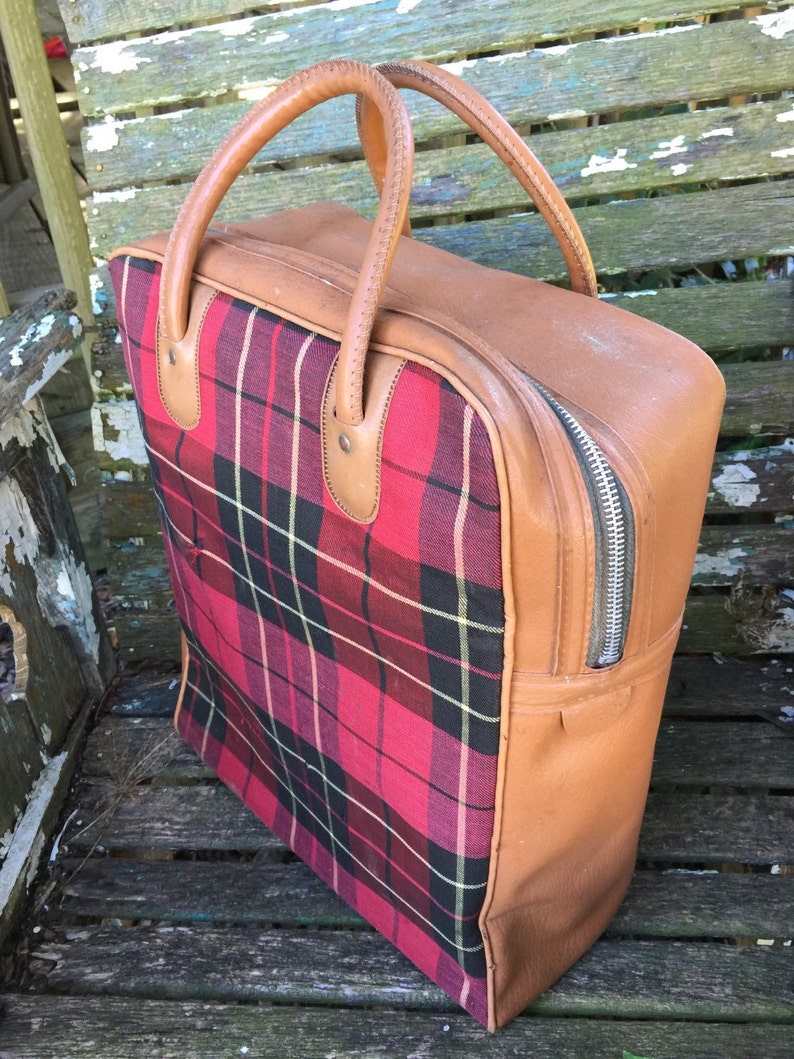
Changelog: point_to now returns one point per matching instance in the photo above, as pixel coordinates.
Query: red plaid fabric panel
(344, 679)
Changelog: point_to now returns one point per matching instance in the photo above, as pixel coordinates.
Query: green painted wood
(273, 46)
(751, 480)
(762, 555)
(688, 754)
(98, 19)
(120, 1028)
(633, 979)
(637, 235)
(681, 827)
(587, 163)
(679, 905)
(620, 74)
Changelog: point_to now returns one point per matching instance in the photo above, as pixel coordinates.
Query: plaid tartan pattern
(344, 679)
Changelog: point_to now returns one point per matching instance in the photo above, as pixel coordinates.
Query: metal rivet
(171, 356)
(344, 443)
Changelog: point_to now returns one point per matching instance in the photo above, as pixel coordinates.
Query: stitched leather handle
(491, 127)
(292, 98)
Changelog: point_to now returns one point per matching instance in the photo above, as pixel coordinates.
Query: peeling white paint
(600, 164)
(124, 195)
(564, 115)
(736, 486)
(35, 333)
(787, 152)
(664, 32)
(787, 115)
(405, 6)
(557, 49)
(237, 29)
(276, 38)
(54, 362)
(725, 563)
(17, 531)
(679, 169)
(65, 596)
(458, 67)
(668, 147)
(104, 136)
(725, 131)
(779, 636)
(119, 417)
(777, 24)
(117, 57)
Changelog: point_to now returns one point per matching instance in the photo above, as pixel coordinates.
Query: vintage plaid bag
(430, 528)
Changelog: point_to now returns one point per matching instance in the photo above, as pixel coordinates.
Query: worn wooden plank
(627, 74)
(198, 63)
(635, 235)
(752, 480)
(470, 180)
(705, 905)
(759, 622)
(763, 555)
(639, 979)
(120, 1028)
(35, 342)
(682, 828)
(726, 687)
(167, 818)
(98, 19)
(699, 753)
(688, 754)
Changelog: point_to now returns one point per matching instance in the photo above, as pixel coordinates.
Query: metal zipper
(613, 523)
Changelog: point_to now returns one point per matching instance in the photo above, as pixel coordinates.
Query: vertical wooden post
(19, 29)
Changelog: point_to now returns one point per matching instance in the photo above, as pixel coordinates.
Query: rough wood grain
(120, 1028)
(620, 74)
(763, 555)
(680, 828)
(657, 905)
(95, 19)
(470, 180)
(688, 754)
(35, 342)
(638, 979)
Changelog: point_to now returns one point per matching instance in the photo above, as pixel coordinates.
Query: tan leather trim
(183, 681)
(178, 366)
(352, 454)
(292, 98)
(455, 94)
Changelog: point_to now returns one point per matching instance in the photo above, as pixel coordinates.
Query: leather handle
(491, 127)
(293, 97)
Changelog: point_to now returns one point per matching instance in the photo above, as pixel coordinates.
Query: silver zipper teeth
(611, 617)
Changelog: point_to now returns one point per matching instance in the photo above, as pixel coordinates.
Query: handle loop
(176, 357)
(491, 127)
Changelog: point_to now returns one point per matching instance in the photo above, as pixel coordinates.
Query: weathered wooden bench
(173, 923)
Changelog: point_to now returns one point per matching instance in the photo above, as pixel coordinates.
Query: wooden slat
(273, 46)
(617, 74)
(119, 1028)
(97, 19)
(470, 180)
(681, 828)
(755, 480)
(639, 979)
(688, 754)
(657, 905)
(763, 555)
